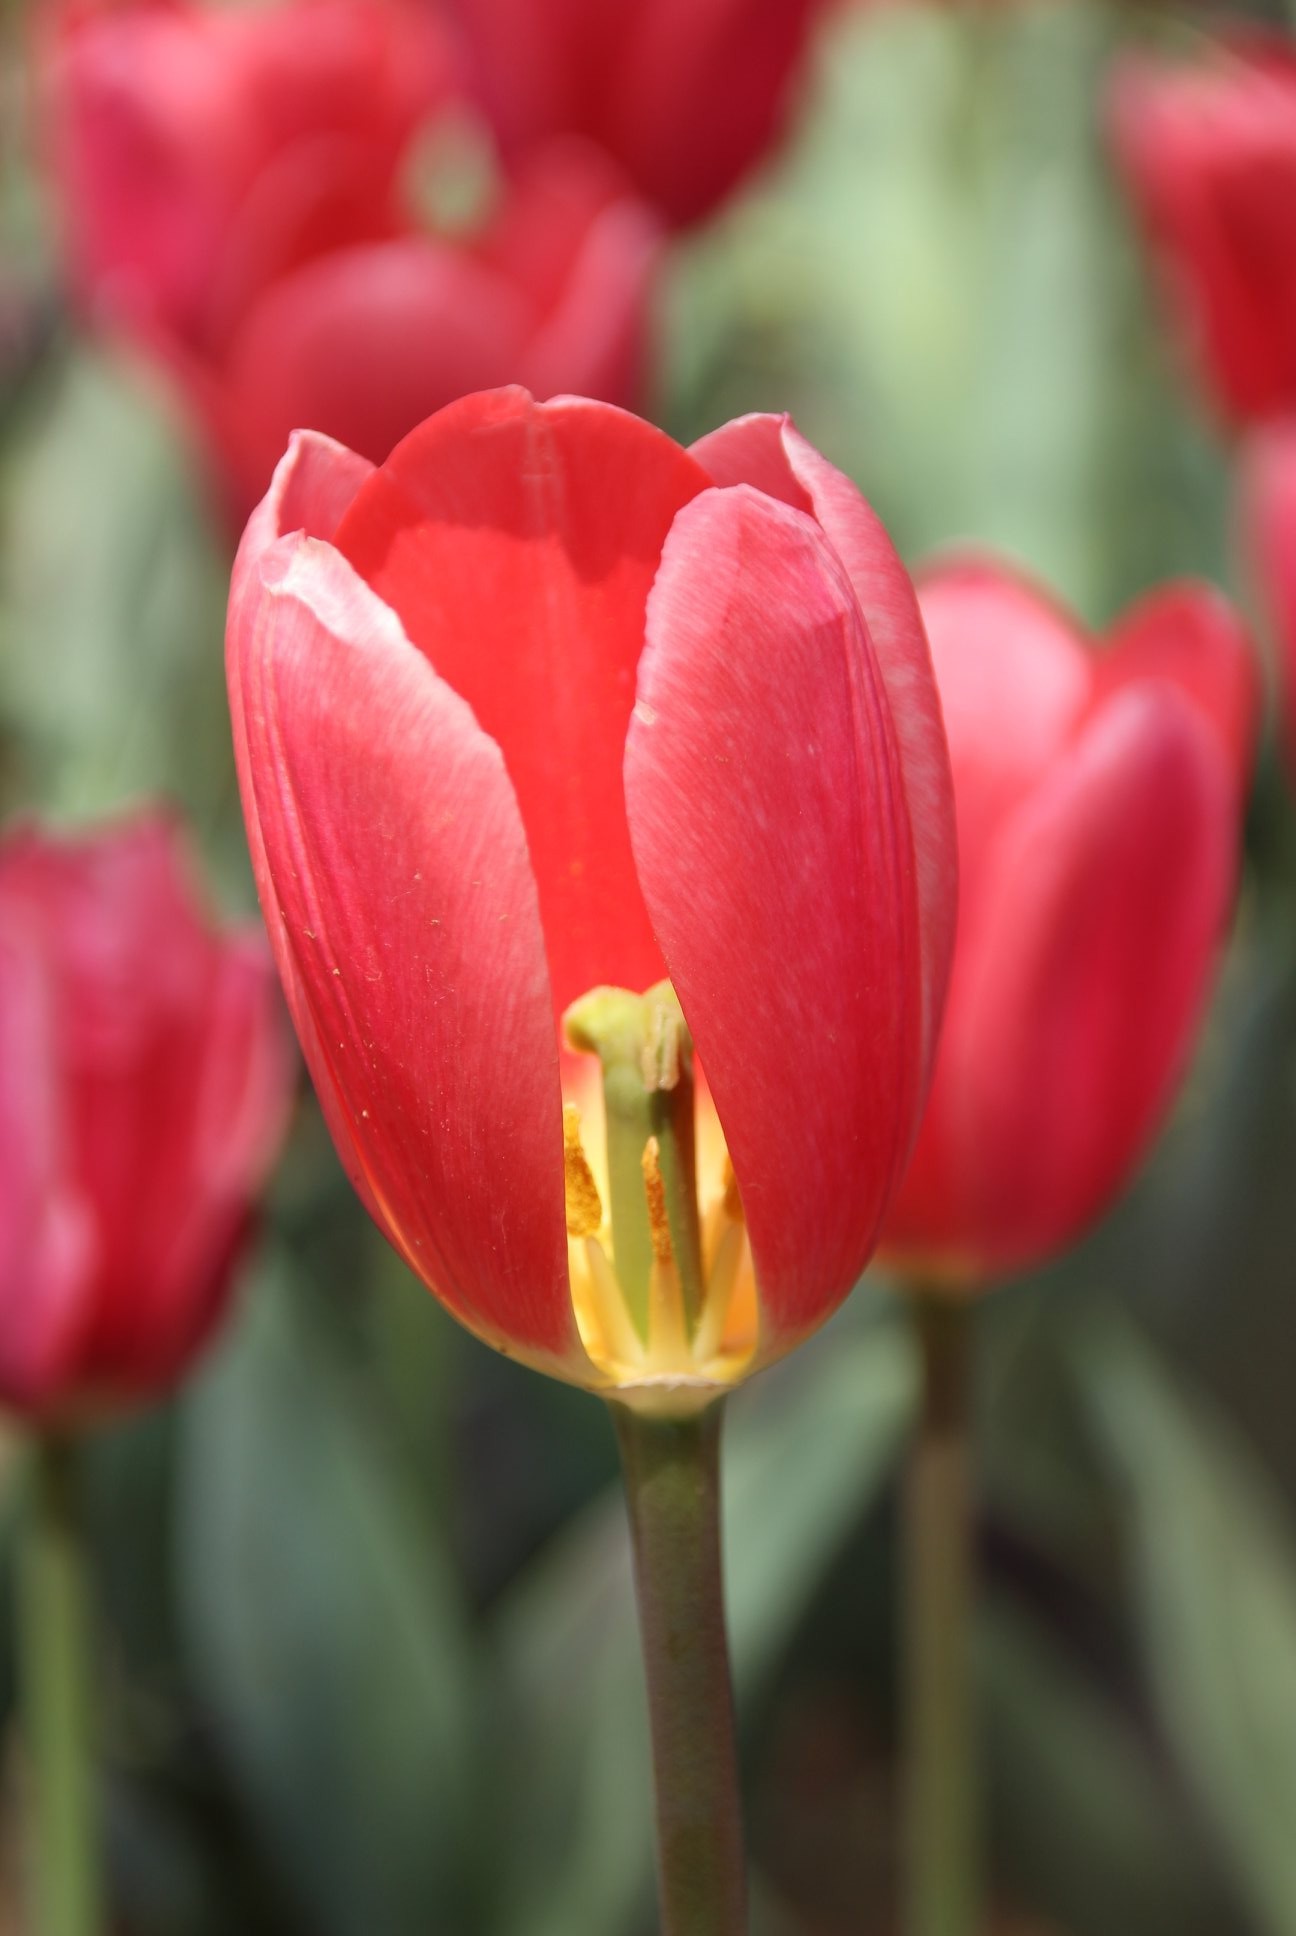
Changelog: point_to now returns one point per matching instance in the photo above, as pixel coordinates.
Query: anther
(584, 1206)
(655, 1194)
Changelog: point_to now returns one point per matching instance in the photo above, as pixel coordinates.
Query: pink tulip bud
(145, 1075)
(687, 94)
(545, 718)
(1099, 797)
(1208, 148)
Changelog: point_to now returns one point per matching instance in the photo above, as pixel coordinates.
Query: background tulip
(1208, 148)
(1098, 801)
(536, 708)
(236, 197)
(143, 1091)
(687, 94)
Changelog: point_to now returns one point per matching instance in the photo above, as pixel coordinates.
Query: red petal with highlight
(767, 811)
(401, 904)
(770, 453)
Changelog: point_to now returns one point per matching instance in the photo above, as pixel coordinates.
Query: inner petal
(517, 542)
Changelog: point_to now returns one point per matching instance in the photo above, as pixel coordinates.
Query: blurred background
(369, 1663)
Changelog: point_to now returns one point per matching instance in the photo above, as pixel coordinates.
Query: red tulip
(144, 1081)
(1209, 151)
(200, 152)
(687, 94)
(1269, 529)
(232, 187)
(1098, 802)
(547, 705)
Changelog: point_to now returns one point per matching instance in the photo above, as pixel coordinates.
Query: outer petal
(770, 453)
(1003, 651)
(313, 484)
(1190, 634)
(402, 910)
(1268, 507)
(517, 542)
(47, 1242)
(768, 818)
(1077, 989)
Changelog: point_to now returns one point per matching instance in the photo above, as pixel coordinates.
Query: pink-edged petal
(313, 484)
(770, 453)
(768, 819)
(47, 1237)
(1191, 635)
(1077, 990)
(1268, 517)
(1003, 651)
(402, 909)
(517, 542)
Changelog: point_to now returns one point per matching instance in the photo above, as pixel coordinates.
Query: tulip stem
(63, 1877)
(942, 1865)
(672, 1479)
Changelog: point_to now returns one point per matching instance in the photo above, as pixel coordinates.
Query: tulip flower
(687, 94)
(233, 192)
(1208, 148)
(1269, 533)
(563, 749)
(546, 708)
(1098, 799)
(144, 1084)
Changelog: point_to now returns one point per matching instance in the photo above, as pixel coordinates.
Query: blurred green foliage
(367, 1632)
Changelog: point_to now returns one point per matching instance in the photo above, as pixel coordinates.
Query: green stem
(942, 1869)
(672, 1479)
(64, 1856)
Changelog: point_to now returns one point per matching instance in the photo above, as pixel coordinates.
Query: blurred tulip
(1208, 148)
(233, 186)
(534, 716)
(687, 94)
(144, 1084)
(1269, 533)
(1099, 801)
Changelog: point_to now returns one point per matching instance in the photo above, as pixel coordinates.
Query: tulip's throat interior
(661, 1272)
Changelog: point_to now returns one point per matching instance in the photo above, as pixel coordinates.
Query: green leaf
(325, 1630)
(805, 1451)
(1215, 1575)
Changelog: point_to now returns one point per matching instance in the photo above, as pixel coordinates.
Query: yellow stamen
(720, 1290)
(655, 1192)
(584, 1208)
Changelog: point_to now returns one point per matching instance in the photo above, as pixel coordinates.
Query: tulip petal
(1190, 634)
(768, 820)
(770, 453)
(402, 910)
(1078, 985)
(511, 534)
(313, 484)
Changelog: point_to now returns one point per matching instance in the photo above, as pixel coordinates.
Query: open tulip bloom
(559, 746)
(566, 752)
